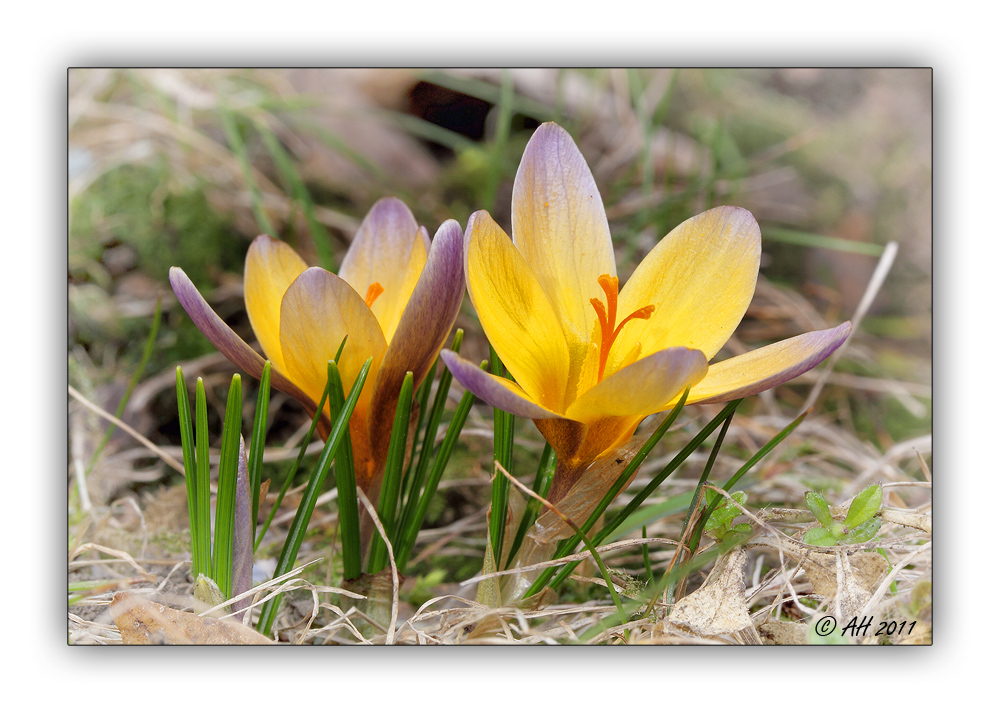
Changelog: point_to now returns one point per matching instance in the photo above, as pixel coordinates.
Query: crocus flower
(589, 362)
(395, 299)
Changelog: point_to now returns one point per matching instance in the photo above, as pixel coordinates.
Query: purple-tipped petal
(767, 367)
(226, 340)
(560, 227)
(495, 391)
(517, 316)
(385, 236)
(389, 249)
(423, 327)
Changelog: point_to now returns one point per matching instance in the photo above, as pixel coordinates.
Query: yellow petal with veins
(271, 266)
(318, 310)
(516, 315)
(642, 388)
(700, 279)
(389, 307)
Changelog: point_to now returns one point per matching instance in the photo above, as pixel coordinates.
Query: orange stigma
(607, 318)
(374, 290)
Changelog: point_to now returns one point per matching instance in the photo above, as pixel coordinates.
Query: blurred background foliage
(186, 166)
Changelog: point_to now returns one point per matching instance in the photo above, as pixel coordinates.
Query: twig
(167, 458)
(878, 277)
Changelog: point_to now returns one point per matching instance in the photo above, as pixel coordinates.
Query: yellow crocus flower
(395, 299)
(589, 362)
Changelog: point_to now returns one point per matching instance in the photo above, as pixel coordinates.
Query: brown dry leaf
(489, 626)
(919, 636)
(719, 605)
(495, 592)
(848, 580)
(866, 570)
(851, 593)
(784, 633)
(141, 621)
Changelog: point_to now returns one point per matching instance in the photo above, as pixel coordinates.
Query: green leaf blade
(819, 537)
(819, 508)
(225, 502)
(864, 506)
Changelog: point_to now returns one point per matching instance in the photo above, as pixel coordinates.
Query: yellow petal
(271, 266)
(561, 229)
(699, 278)
(389, 307)
(516, 315)
(390, 249)
(318, 310)
(642, 388)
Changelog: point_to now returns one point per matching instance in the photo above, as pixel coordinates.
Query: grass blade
(422, 397)
(633, 504)
(256, 460)
(292, 470)
(225, 500)
(347, 484)
(683, 552)
(427, 447)
(731, 483)
(300, 523)
(409, 537)
(190, 469)
(706, 471)
(423, 129)
(812, 240)
(487, 91)
(389, 495)
(285, 164)
(505, 109)
(203, 495)
(503, 447)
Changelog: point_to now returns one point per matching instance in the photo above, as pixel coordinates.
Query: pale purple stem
(242, 532)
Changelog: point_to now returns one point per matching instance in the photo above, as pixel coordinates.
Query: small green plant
(859, 525)
(720, 521)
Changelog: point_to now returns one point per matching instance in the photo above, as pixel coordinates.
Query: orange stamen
(374, 290)
(607, 318)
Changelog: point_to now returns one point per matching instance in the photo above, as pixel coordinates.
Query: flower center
(374, 290)
(607, 317)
